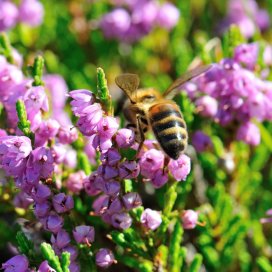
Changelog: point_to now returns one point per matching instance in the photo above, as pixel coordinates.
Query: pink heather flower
(45, 267)
(129, 170)
(81, 99)
(57, 88)
(107, 127)
(111, 157)
(116, 23)
(47, 131)
(121, 220)
(53, 223)
(180, 168)
(84, 234)
(150, 162)
(14, 151)
(61, 239)
(107, 172)
(62, 203)
(42, 209)
(101, 144)
(75, 182)
(131, 200)
(201, 141)
(70, 159)
(40, 164)
(10, 75)
(101, 204)
(17, 263)
(111, 188)
(207, 106)
(31, 12)
(151, 219)
(160, 178)
(168, 16)
(189, 219)
(90, 151)
(8, 15)
(125, 138)
(22, 200)
(41, 193)
(249, 133)
(90, 184)
(247, 54)
(104, 258)
(89, 119)
(67, 134)
(115, 206)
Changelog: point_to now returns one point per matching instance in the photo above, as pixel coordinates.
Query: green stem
(6, 47)
(38, 71)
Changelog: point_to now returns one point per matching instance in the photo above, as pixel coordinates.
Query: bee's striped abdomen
(169, 128)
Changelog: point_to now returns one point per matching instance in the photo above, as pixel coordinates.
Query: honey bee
(148, 108)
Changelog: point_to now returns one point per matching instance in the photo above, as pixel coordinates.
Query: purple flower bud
(125, 138)
(89, 119)
(17, 263)
(84, 234)
(70, 159)
(81, 99)
(101, 144)
(31, 12)
(129, 170)
(8, 16)
(115, 206)
(67, 134)
(207, 106)
(62, 203)
(107, 172)
(111, 157)
(73, 252)
(90, 151)
(189, 219)
(111, 188)
(42, 209)
(14, 151)
(74, 182)
(201, 141)
(249, 133)
(150, 162)
(41, 193)
(91, 184)
(61, 239)
(101, 204)
(121, 220)
(180, 168)
(104, 258)
(39, 164)
(107, 127)
(22, 200)
(45, 267)
(131, 200)
(151, 219)
(247, 54)
(53, 223)
(168, 16)
(47, 131)
(159, 179)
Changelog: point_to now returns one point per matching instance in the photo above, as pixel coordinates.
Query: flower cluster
(29, 12)
(247, 16)
(137, 18)
(231, 93)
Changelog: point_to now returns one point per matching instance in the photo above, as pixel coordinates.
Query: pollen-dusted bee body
(147, 108)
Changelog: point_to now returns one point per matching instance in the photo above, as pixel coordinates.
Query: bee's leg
(141, 133)
(165, 163)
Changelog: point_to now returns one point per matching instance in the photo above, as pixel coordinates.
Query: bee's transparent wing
(170, 92)
(129, 84)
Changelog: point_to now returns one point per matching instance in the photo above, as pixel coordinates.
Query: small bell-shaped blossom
(168, 16)
(42, 209)
(180, 168)
(62, 203)
(189, 219)
(45, 267)
(8, 16)
(121, 220)
(151, 219)
(53, 223)
(249, 133)
(125, 138)
(201, 141)
(17, 263)
(75, 182)
(104, 258)
(67, 134)
(84, 234)
(131, 200)
(31, 12)
(61, 239)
